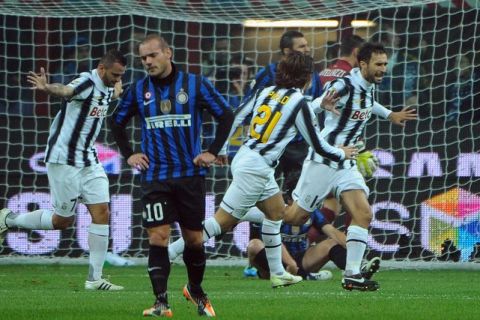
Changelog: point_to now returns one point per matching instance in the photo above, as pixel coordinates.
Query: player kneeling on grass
(74, 171)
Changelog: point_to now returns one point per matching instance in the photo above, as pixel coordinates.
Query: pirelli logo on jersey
(361, 115)
(169, 121)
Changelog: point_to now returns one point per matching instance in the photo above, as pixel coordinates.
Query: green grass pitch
(37, 292)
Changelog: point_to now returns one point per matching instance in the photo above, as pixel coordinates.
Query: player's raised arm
(305, 123)
(39, 82)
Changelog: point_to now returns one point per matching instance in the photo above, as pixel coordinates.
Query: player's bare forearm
(39, 82)
(59, 90)
(335, 234)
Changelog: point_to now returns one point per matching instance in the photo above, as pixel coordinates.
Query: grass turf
(56, 292)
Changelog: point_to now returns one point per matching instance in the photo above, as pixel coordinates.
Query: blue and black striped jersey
(170, 112)
(294, 238)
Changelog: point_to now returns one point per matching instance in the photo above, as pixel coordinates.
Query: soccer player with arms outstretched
(351, 100)
(169, 104)
(74, 171)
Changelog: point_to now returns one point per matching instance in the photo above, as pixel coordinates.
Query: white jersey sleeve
(380, 110)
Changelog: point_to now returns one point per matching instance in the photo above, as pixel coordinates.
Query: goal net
(426, 189)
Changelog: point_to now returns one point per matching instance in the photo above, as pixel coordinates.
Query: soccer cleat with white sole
(102, 284)
(3, 219)
(320, 275)
(357, 282)
(370, 268)
(283, 280)
(204, 306)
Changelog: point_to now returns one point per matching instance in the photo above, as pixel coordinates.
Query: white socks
(273, 245)
(35, 220)
(211, 228)
(356, 244)
(254, 215)
(98, 244)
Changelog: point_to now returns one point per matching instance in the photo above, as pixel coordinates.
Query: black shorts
(181, 200)
(260, 262)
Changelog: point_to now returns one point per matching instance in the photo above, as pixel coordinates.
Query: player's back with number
(273, 114)
(279, 112)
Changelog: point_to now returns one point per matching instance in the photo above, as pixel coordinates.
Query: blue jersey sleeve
(127, 107)
(211, 99)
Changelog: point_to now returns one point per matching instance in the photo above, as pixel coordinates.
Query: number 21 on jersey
(264, 116)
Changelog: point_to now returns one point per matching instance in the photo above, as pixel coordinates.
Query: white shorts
(318, 180)
(68, 184)
(253, 181)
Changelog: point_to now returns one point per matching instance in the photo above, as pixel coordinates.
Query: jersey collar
(98, 81)
(360, 80)
(168, 79)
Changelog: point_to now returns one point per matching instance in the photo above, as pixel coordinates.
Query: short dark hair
(286, 41)
(350, 43)
(294, 70)
(367, 49)
(113, 56)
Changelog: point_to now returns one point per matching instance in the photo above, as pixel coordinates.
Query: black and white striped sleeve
(308, 127)
(82, 86)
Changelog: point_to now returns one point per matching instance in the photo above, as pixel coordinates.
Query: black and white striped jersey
(277, 115)
(78, 123)
(356, 106)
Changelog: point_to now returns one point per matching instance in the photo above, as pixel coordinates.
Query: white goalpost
(425, 193)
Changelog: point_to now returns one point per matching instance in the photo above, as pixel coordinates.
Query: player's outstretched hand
(400, 117)
(329, 102)
(204, 159)
(138, 161)
(38, 81)
(350, 152)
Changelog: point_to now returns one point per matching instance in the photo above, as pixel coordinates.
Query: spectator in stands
(135, 69)
(77, 60)
(219, 58)
(463, 92)
(400, 84)
(232, 83)
(16, 98)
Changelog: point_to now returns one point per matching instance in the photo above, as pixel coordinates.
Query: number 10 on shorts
(154, 212)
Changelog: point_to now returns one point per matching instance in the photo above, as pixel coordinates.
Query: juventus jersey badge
(182, 97)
